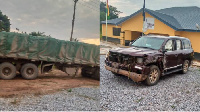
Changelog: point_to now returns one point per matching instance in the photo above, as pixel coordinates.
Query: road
(173, 92)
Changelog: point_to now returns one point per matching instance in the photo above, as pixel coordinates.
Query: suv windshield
(149, 42)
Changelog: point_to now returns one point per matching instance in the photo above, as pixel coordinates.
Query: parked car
(150, 57)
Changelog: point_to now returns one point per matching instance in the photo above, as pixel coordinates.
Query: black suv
(150, 57)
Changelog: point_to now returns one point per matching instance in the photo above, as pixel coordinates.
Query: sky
(54, 17)
(130, 6)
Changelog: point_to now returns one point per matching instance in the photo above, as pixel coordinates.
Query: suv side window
(169, 46)
(186, 44)
(178, 44)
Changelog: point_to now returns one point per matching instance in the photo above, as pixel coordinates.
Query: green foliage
(69, 90)
(173, 106)
(139, 100)
(114, 13)
(4, 23)
(38, 34)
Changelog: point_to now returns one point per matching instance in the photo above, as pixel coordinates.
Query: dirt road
(44, 84)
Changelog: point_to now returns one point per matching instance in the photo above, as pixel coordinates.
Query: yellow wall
(131, 35)
(136, 24)
(135, 35)
(194, 38)
(109, 30)
(128, 35)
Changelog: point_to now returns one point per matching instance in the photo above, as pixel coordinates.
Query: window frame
(181, 42)
(190, 46)
(173, 45)
(116, 31)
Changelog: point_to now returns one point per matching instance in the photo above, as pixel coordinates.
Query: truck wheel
(91, 72)
(153, 76)
(29, 71)
(96, 74)
(185, 66)
(84, 72)
(7, 71)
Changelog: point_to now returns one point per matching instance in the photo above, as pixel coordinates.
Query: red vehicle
(150, 57)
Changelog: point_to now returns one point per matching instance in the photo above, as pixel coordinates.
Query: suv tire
(153, 77)
(185, 67)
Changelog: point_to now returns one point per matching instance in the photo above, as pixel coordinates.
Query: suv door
(170, 56)
(179, 49)
(187, 50)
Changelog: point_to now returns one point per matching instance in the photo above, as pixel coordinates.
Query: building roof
(188, 17)
(178, 18)
(114, 21)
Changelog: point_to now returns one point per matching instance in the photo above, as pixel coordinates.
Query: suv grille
(121, 58)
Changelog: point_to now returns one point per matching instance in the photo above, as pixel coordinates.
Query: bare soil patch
(44, 84)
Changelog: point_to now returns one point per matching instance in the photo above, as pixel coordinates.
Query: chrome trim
(138, 67)
(173, 67)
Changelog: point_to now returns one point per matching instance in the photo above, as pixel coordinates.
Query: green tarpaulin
(23, 46)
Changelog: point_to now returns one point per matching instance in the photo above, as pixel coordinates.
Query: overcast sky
(130, 6)
(54, 17)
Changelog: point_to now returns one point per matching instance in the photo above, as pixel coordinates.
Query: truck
(27, 55)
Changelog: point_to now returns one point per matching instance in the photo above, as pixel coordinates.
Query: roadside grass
(85, 96)
(15, 101)
(173, 106)
(139, 100)
(69, 90)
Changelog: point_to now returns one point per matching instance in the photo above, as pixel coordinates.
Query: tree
(75, 2)
(37, 33)
(4, 23)
(114, 13)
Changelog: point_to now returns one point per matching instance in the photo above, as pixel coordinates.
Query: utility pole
(143, 30)
(75, 1)
(106, 21)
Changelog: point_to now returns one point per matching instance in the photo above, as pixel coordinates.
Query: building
(175, 21)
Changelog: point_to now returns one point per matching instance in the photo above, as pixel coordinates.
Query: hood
(134, 51)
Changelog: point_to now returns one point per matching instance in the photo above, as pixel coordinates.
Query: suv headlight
(139, 60)
(108, 54)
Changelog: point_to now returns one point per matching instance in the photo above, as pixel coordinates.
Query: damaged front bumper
(140, 74)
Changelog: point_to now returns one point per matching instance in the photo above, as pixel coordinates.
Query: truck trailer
(28, 54)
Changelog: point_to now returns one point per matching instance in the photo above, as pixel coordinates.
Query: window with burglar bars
(116, 31)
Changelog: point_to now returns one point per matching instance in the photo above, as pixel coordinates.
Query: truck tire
(153, 77)
(85, 72)
(96, 75)
(185, 67)
(7, 71)
(29, 71)
(91, 72)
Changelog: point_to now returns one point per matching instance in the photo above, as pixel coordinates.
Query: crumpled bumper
(138, 72)
(134, 76)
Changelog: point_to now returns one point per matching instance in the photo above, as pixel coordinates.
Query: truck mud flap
(46, 67)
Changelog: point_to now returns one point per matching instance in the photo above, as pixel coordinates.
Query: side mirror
(164, 50)
(130, 43)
